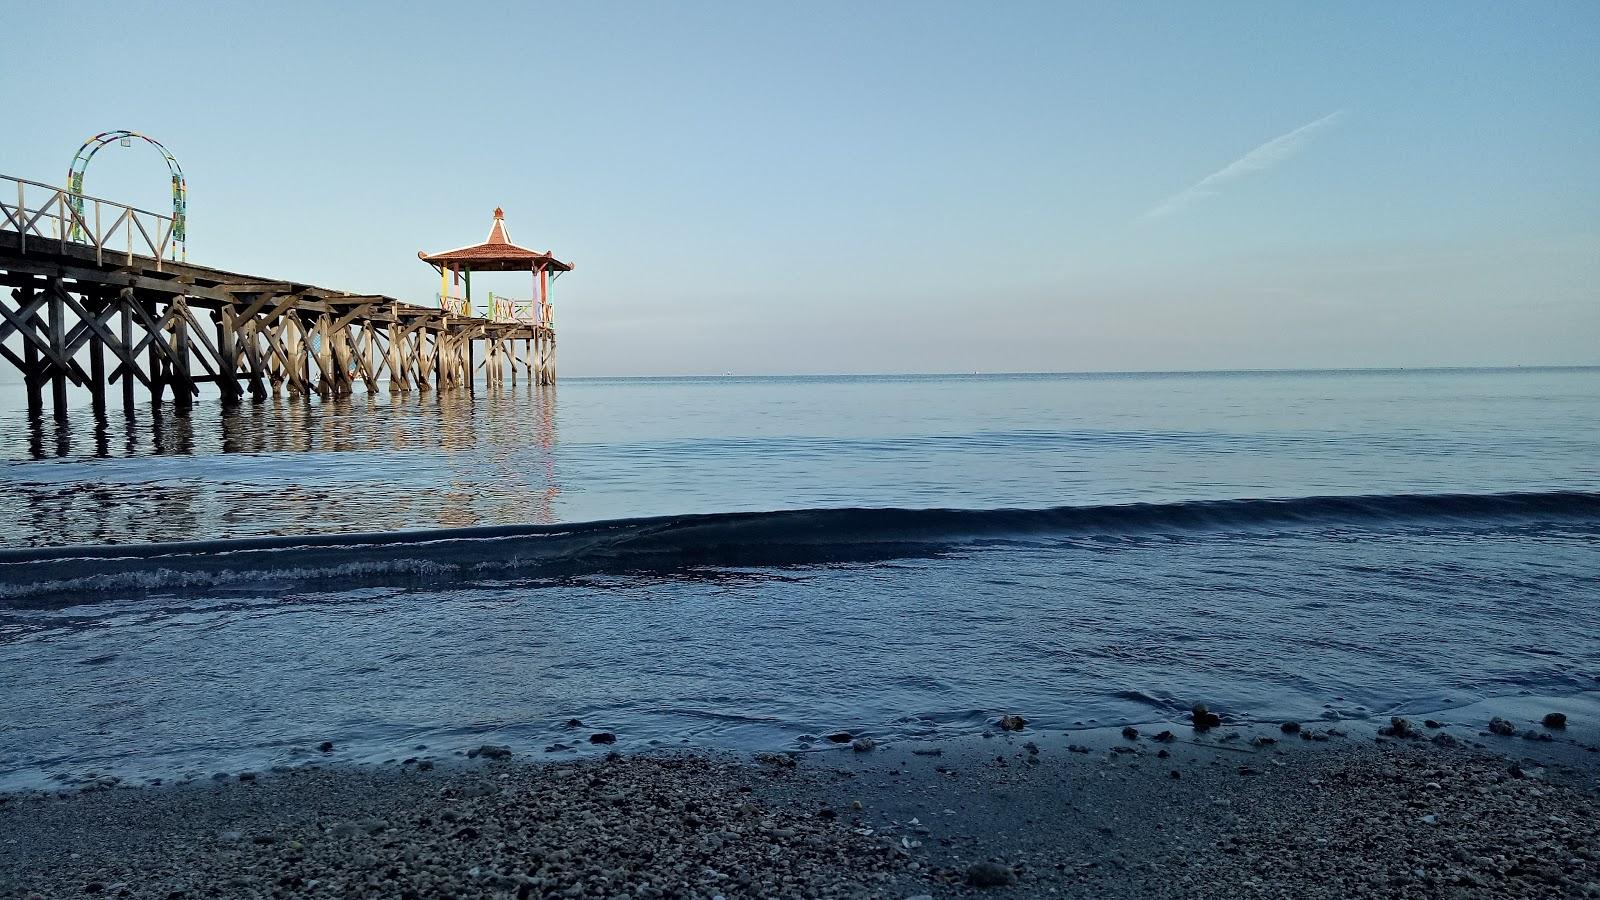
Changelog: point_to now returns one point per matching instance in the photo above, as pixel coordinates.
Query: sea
(754, 563)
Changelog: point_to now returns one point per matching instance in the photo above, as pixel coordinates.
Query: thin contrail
(1263, 157)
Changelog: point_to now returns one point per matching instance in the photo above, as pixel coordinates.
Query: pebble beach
(1400, 808)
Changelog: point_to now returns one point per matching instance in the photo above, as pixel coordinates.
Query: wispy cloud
(1260, 159)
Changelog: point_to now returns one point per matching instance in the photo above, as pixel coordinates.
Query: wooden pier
(88, 300)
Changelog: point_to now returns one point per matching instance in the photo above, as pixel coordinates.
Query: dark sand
(1225, 813)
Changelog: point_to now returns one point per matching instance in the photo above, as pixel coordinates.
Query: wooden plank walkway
(76, 311)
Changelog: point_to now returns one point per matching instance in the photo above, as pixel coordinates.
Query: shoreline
(1251, 809)
(570, 741)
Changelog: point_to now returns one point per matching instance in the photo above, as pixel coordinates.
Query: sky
(762, 188)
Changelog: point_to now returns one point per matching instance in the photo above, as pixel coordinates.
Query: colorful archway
(180, 190)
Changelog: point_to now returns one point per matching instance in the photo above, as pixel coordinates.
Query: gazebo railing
(456, 306)
(38, 213)
(509, 310)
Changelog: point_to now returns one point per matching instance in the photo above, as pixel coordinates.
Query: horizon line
(997, 374)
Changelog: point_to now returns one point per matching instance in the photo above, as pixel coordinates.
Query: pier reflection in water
(362, 463)
(672, 446)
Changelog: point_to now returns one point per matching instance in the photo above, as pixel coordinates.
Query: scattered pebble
(990, 874)
(1398, 728)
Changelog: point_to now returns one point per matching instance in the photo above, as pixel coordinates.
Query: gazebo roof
(496, 254)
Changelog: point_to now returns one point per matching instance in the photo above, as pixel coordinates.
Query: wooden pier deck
(95, 305)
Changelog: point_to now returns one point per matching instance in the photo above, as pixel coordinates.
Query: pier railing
(456, 306)
(38, 212)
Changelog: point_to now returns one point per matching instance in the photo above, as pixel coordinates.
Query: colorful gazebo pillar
(506, 320)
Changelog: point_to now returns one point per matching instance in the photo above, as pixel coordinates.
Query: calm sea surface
(1424, 587)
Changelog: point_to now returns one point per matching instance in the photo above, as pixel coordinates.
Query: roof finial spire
(499, 213)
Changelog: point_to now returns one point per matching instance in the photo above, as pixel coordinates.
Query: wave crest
(65, 575)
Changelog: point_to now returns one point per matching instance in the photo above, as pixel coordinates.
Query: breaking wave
(66, 575)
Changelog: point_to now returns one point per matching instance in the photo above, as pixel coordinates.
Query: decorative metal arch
(180, 190)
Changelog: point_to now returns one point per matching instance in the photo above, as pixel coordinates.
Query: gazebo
(497, 254)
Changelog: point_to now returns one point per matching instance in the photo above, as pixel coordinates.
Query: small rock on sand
(1131, 733)
(1012, 723)
(1501, 727)
(602, 737)
(1398, 728)
(1290, 728)
(325, 746)
(990, 874)
(1555, 720)
(1204, 719)
(841, 737)
(490, 751)
(864, 745)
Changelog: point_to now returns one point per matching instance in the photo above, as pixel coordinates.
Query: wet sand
(1334, 810)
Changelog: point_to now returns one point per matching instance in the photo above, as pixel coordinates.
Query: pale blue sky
(879, 187)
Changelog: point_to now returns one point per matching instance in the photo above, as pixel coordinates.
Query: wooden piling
(129, 368)
(97, 362)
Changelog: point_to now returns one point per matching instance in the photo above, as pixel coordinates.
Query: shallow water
(759, 631)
